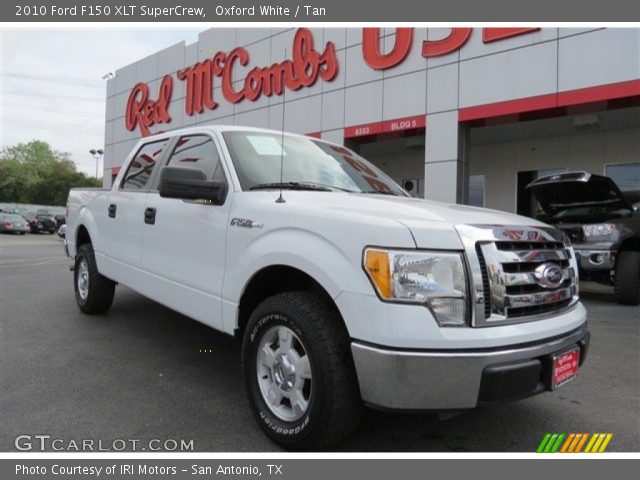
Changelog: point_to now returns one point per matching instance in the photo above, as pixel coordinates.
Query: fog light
(448, 311)
(597, 259)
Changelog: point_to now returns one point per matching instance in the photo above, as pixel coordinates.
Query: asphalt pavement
(143, 372)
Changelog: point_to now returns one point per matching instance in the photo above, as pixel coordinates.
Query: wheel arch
(631, 243)
(271, 280)
(82, 236)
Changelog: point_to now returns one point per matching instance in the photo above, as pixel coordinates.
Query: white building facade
(465, 115)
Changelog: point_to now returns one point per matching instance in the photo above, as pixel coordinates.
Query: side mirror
(189, 183)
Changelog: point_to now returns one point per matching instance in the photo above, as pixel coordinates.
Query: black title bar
(320, 11)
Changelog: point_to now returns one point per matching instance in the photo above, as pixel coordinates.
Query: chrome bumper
(66, 247)
(452, 380)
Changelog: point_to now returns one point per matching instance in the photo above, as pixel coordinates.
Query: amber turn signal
(376, 263)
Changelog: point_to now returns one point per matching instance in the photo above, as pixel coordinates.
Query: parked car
(13, 223)
(602, 222)
(42, 222)
(60, 220)
(342, 289)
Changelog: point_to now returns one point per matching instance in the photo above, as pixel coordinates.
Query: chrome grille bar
(507, 264)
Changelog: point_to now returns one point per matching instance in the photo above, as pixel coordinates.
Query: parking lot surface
(145, 372)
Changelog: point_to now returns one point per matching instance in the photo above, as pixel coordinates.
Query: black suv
(42, 222)
(603, 224)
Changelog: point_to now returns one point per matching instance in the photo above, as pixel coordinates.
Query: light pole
(96, 154)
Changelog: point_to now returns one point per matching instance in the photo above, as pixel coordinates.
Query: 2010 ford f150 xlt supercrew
(343, 289)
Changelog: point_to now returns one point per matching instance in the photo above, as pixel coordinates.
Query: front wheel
(299, 373)
(627, 278)
(94, 292)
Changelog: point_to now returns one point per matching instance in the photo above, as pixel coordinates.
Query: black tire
(100, 290)
(334, 404)
(51, 232)
(627, 278)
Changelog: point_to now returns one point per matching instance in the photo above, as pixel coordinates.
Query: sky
(51, 85)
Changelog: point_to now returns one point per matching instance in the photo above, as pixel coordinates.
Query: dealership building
(466, 115)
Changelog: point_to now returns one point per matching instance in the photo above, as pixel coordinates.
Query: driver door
(184, 241)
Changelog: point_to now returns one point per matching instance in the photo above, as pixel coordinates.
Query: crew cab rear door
(184, 241)
(125, 212)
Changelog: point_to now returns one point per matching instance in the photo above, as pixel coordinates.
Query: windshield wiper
(291, 186)
(378, 192)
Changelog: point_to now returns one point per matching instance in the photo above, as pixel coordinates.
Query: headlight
(435, 279)
(599, 231)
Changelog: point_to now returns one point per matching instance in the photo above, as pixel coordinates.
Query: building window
(626, 176)
(476, 190)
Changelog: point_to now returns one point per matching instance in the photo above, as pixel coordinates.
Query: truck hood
(431, 223)
(562, 191)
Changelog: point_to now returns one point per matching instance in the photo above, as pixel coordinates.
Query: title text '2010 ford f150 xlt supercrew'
(343, 289)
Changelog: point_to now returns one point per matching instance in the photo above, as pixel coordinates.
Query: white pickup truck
(343, 290)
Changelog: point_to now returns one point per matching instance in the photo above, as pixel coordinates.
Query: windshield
(306, 163)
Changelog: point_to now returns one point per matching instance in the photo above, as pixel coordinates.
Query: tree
(35, 173)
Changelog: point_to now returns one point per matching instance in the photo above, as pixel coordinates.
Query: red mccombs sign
(305, 67)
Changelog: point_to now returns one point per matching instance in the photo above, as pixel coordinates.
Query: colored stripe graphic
(598, 443)
(581, 443)
(551, 443)
(543, 443)
(568, 442)
(574, 442)
(593, 439)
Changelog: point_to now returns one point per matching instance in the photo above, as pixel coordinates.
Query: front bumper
(458, 379)
(595, 259)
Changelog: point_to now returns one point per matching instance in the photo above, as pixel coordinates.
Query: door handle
(112, 210)
(150, 216)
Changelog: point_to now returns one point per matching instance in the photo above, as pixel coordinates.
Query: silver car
(13, 223)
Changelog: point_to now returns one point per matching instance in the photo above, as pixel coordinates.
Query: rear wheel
(94, 292)
(299, 373)
(627, 278)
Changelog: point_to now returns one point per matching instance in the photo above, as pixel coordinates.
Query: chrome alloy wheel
(284, 373)
(83, 279)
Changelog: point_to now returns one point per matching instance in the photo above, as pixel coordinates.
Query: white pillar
(445, 167)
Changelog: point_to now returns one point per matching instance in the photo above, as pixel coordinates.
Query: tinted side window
(197, 151)
(141, 167)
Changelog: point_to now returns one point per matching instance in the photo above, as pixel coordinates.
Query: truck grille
(515, 280)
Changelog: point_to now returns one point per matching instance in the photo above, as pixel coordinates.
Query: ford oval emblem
(549, 275)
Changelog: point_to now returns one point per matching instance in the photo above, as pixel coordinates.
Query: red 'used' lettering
(371, 48)
(143, 112)
(451, 43)
(499, 33)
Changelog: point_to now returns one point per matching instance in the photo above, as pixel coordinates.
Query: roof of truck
(223, 128)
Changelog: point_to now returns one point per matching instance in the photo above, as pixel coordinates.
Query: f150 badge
(245, 223)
